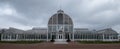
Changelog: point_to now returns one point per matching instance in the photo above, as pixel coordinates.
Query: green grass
(21, 42)
(99, 42)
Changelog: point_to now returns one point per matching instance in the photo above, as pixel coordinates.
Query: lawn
(21, 42)
(99, 42)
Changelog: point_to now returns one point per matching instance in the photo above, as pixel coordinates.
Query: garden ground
(50, 45)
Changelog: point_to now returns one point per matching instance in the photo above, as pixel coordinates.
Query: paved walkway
(49, 45)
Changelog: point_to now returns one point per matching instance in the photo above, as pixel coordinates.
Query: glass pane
(60, 18)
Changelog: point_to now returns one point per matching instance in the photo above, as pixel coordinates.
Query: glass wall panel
(60, 18)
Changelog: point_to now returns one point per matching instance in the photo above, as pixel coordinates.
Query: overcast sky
(92, 14)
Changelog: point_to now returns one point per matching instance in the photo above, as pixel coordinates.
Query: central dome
(60, 18)
(60, 11)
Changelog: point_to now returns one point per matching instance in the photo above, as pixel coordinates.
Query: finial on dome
(60, 11)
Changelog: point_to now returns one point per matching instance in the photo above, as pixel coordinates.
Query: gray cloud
(92, 14)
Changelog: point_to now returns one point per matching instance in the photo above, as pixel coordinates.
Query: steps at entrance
(60, 41)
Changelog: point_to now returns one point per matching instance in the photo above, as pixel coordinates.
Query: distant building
(60, 27)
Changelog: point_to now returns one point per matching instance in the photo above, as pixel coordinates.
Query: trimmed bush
(52, 40)
(68, 40)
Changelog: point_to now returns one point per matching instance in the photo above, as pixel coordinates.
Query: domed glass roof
(60, 11)
(60, 18)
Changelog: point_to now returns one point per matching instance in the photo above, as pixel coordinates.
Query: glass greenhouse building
(60, 28)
